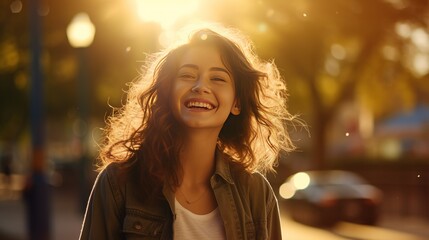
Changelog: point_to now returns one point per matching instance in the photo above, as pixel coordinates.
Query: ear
(236, 109)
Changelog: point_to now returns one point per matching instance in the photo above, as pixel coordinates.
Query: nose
(201, 86)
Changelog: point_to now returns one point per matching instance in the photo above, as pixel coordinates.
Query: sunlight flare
(165, 12)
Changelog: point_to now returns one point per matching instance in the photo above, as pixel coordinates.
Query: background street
(67, 219)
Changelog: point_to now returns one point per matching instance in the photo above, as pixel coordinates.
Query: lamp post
(80, 33)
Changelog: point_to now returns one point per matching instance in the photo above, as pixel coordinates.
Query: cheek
(174, 100)
(228, 98)
(174, 89)
(176, 93)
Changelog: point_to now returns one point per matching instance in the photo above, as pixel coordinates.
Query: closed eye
(219, 76)
(188, 72)
(186, 76)
(220, 79)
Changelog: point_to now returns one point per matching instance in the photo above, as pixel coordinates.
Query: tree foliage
(336, 51)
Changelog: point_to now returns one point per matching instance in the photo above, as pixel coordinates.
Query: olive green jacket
(117, 210)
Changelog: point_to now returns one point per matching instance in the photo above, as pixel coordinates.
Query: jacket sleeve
(273, 220)
(103, 216)
(265, 209)
(271, 213)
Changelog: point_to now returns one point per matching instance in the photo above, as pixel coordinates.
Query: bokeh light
(81, 31)
(301, 180)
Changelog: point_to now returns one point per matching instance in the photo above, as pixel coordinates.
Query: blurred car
(322, 198)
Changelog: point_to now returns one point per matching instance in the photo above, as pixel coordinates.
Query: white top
(189, 225)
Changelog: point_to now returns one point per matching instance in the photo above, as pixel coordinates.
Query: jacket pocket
(140, 225)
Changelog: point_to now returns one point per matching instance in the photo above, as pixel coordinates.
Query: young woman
(184, 157)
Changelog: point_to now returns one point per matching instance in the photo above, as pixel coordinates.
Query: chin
(201, 125)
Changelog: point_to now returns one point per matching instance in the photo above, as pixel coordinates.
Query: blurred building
(404, 135)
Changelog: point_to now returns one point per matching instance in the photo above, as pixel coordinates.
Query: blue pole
(37, 193)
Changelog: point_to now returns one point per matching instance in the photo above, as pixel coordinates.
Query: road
(346, 231)
(67, 219)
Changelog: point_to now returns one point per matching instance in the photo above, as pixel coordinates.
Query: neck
(198, 157)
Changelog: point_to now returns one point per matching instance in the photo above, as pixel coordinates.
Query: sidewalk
(414, 225)
(66, 218)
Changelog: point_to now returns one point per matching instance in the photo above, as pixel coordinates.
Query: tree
(333, 49)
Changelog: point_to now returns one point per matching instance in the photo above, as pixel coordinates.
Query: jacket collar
(223, 166)
(222, 170)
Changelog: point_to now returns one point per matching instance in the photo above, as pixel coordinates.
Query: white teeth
(200, 105)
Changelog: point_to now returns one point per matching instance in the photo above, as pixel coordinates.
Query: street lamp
(80, 34)
(80, 31)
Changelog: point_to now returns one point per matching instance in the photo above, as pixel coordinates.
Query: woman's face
(203, 92)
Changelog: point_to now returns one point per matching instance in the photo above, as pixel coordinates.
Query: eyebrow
(211, 69)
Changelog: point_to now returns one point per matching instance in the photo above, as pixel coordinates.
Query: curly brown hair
(144, 132)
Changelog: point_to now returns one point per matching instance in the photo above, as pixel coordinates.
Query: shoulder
(110, 172)
(248, 184)
(235, 173)
(251, 182)
(112, 179)
(118, 170)
(240, 174)
(256, 194)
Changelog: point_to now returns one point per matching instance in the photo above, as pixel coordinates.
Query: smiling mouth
(199, 105)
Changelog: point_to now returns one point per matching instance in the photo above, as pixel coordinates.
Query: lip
(197, 102)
